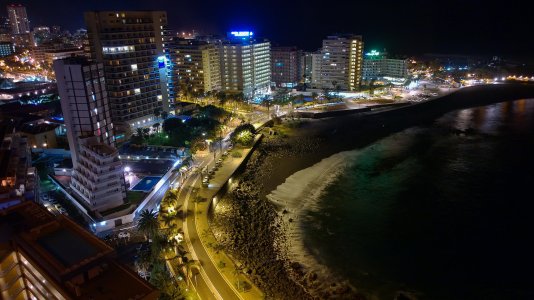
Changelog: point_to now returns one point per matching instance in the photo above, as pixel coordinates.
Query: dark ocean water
(444, 210)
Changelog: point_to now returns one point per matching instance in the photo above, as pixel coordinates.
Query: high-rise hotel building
(18, 19)
(97, 178)
(132, 47)
(196, 66)
(245, 64)
(341, 65)
(285, 66)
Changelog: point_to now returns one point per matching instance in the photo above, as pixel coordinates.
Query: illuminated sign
(373, 53)
(242, 33)
(161, 61)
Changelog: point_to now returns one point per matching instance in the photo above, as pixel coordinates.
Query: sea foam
(299, 195)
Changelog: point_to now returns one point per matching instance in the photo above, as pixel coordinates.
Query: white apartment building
(97, 177)
(132, 45)
(245, 65)
(341, 65)
(196, 66)
(317, 60)
(376, 66)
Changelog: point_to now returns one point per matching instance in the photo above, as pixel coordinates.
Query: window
(134, 67)
(137, 91)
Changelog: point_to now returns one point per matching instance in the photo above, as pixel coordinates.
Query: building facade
(341, 65)
(51, 55)
(43, 256)
(306, 66)
(316, 65)
(97, 178)
(6, 49)
(132, 47)
(196, 66)
(377, 66)
(18, 19)
(18, 179)
(245, 64)
(285, 66)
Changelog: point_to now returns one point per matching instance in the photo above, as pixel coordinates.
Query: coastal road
(210, 283)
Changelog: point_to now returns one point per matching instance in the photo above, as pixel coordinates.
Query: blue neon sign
(161, 61)
(242, 33)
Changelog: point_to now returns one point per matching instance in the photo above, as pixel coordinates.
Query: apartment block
(132, 46)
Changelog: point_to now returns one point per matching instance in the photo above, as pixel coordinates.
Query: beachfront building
(341, 64)
(306, 63)
(97, 179)
(132, 46)
(43, 256)
(376, 65)
(316, 62)
(285, 66)
(196, 66)
(245, 64)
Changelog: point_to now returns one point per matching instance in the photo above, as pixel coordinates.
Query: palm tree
(148, 223)
(237, 271)
(157, 112)
(167, 219)
(164, 115)
(139, 132)
(146, 132)
(187, 268)
(156, 127)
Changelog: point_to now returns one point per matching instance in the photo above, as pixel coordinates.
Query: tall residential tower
(245, 64)
(18, 19)
(285, 66)
(196, 66)
(132, 47)
(97, 177)
(341, 65)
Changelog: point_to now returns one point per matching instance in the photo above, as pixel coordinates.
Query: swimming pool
(146, 184)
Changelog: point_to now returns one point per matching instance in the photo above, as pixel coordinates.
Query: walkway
(218, 278)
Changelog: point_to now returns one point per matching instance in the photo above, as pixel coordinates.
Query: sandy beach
(262, 232)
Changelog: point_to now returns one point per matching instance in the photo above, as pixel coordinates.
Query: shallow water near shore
(442, 210)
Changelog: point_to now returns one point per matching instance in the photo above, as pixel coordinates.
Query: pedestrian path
(219, 271)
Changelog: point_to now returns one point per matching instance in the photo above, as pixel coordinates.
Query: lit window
(137, 91)
(134, 67)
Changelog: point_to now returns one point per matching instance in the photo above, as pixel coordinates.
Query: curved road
(210, 284)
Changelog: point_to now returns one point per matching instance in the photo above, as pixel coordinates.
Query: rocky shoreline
(255, 232)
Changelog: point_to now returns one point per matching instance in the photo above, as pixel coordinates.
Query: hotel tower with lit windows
(132, 45)
(341, 66)
(97, 179)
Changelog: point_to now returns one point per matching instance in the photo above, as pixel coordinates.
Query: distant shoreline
(350, 132)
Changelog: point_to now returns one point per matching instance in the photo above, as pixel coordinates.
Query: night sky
(403, 27)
